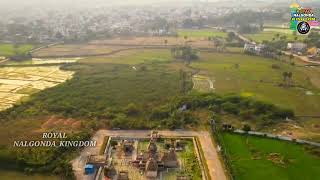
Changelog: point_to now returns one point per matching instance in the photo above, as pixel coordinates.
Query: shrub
(230, 107)
(246, 128)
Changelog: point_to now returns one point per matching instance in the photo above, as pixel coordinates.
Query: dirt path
(215, 167)
(4, 60)
(301, 58)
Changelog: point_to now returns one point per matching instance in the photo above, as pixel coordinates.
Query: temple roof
(151, 165)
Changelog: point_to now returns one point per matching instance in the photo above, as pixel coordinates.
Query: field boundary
(202, 159)
(272, 136)
(223, 154)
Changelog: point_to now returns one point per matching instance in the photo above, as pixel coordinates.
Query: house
(297, 47)
(170, 159)
(254, 48)
(259, 48)
(248, 47)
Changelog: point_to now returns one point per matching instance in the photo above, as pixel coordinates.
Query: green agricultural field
(261, 158)
(269, 33)
(10, 50)
(132, 57)
(201, 33)
(255, 77)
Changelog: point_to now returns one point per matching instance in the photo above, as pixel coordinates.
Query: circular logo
(303, 27)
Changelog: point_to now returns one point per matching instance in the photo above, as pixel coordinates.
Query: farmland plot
(18, 82)
(202, 83)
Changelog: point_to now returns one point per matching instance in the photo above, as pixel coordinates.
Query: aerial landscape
(160, 90)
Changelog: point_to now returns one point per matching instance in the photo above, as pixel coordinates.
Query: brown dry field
(54, 123)
(74, 50)
(155, 41)
(32, 129)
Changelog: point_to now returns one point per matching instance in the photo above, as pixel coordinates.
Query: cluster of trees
(51, 160)
(277, 43)
(21, 56)
(248, 29)
(244, 107)
(178, 113)
(313, 39)
(185, 53)
(246, 21)
(191, 23)
(156, 24)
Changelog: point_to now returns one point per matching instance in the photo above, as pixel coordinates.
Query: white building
(297, 47)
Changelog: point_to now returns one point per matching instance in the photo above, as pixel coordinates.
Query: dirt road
(215, 167)
(302, 58)
(79, 163)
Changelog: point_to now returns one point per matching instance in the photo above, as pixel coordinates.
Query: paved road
(215, 166)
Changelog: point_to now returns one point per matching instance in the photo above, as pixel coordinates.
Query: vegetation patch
(271, 34)
(239, 73)
(11, 50)
(261, 158)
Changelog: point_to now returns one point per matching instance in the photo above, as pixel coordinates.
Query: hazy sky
(81, 3)
(17, 2)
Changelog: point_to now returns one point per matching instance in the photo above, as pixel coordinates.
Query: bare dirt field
(68, 50)
(18, 82)
(155, 41)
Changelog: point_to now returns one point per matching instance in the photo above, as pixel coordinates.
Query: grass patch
(268, 34)
(256, 78)
(27, 90)
(201, 33)
(132, 57)
(10, 50)
(190, 162)
(260, 158)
